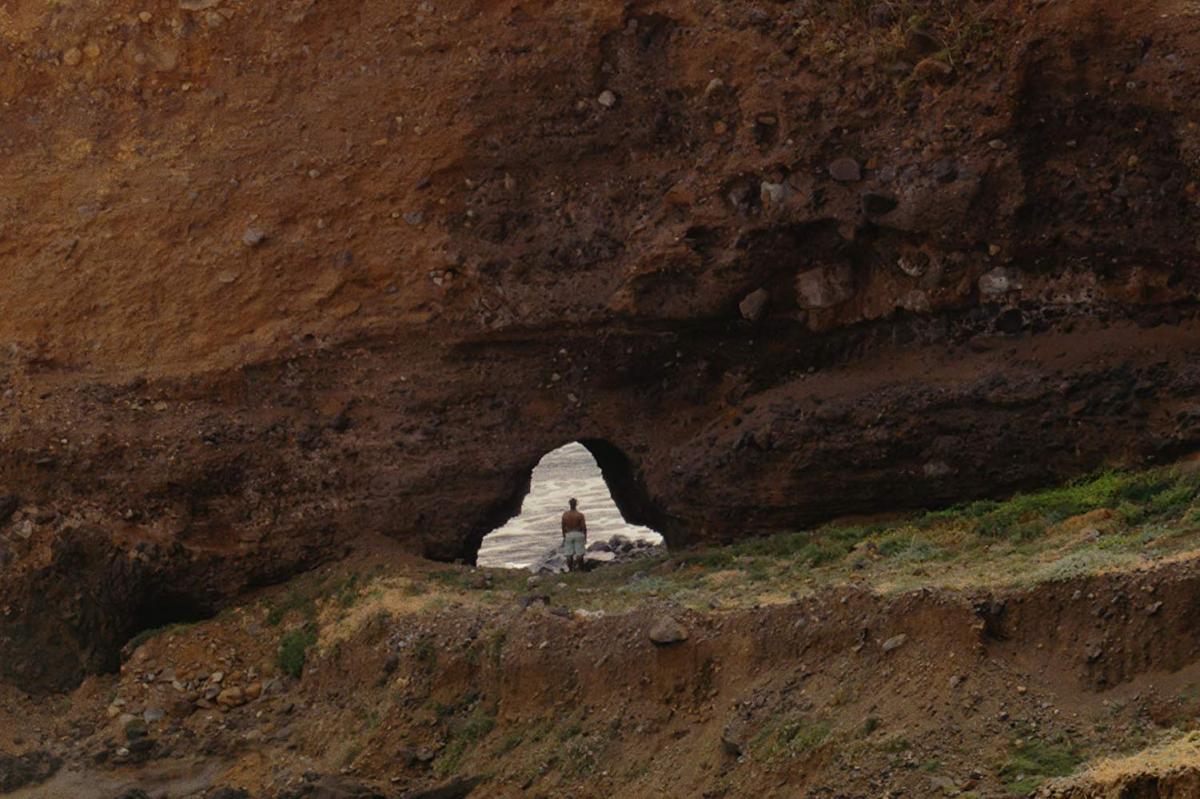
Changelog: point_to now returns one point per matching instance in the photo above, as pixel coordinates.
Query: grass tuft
(293, 650)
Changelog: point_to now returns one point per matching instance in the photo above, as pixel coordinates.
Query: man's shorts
(575, 545)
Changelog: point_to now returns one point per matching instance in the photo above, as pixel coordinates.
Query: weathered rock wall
(277, 275)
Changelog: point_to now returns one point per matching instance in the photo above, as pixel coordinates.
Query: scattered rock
(526, 602)
(772, 194)
(1154, 609)
(229, 793)
(253, 237)
(231, 697)
(754, 304)
(667, 631)
(895, 642)
(945, 170)
(732, 742)
(136, 729)
(31, 768)
(933, 70)
(607, 98)
(998, 281)
(845, 170)
(824, 287)
(73, 57)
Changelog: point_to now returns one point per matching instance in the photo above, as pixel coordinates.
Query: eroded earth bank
(281, 278)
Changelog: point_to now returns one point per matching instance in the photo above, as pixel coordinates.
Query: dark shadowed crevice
(498, 514)
(158, 609)
(626, 487)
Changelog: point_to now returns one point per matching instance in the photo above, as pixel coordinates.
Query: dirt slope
(410, 687)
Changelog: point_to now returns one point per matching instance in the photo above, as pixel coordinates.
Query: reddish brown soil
(588, 707)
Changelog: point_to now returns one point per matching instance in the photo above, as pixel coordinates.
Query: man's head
(573, 503)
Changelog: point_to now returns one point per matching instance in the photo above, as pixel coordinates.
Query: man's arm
(564, 527)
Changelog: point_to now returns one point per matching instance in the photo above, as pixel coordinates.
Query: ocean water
(567, 472)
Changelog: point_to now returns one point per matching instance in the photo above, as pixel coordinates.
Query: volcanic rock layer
(276, 275)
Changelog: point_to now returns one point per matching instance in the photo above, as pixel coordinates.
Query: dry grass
(1179, 752)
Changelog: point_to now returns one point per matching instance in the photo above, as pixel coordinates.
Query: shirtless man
(574, 530)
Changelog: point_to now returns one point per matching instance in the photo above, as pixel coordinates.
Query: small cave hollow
(159, 609)
(592, 471)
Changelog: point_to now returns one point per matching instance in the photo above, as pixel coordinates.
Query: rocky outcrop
(279, 275)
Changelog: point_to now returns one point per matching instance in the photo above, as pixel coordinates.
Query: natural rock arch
(625, 483)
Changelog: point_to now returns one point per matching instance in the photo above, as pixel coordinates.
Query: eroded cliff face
(278, 275)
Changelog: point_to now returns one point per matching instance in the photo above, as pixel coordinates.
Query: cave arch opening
(593, 471)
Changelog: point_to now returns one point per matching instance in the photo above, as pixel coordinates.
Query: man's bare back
(574, 521)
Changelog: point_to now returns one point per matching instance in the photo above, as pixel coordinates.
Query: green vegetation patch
(293, 650)
(1034, 761)
(790, 737)
(1136, 497)
(463, 735)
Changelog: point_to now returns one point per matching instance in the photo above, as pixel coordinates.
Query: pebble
(772, 194)
(845, 170)
(136, 729)
(754, 304)
(73, 57)
(895, 642)
(997, 281)
(231, 697)
(253, 237)
(145, 16)
(667, 631)
(945, 170)
(607, 99)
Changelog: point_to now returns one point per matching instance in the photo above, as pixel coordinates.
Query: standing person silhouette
(574, 530)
